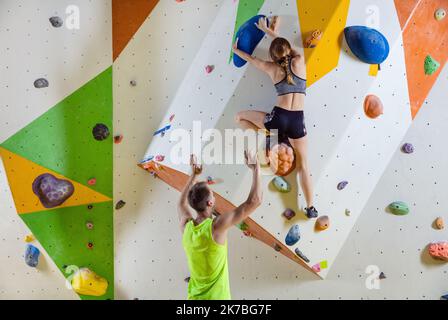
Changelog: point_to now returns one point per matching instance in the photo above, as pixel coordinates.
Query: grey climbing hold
(301, 255)
(293, 235)
(56, 22)
(382, 276)
(133, 83)
(281, 185)
(407, 148)
(100, 132)
(289, 214)
(342, 185)
(120, 204)
(41, 83)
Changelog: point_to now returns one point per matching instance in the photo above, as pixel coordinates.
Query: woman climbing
(288, 73)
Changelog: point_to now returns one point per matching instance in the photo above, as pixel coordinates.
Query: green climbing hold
(281, 184)
(399, 208)
(431, 65)
(243, 226)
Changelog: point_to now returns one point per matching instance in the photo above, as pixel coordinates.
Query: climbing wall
(48, 130)
(339, 149)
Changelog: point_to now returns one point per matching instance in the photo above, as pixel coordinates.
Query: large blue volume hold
(293, 235)
(249, 36)
(369, 45)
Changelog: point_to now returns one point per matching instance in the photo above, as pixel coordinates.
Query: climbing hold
(431, 65)
(293, 235)
(373, 107)
(301, 255)
(52, 192)
(277, 247)
(159, 158)
(162, 131)
(313, 39)
(382, 276)
(316, 267)
(120, 204)
(282, 159)
(88, 283)
(247, 233)
(172, 117)
(100, 132)
(407, 148)
(89, 225)
(440, 14)
(324, 264)
(90, 207)
(118, 139)
(249, 36)
(439, 250)
(56, 22)
(323, 223)
(369, 45)
(289, 214)
(41, 83)
(91, 182)
(281, 184)
(348, 212)
(439, 223)
(133, 83)
(29, 238)
(90, 245)
(243, 226)
(209, 69)
(399, 208)
(342, 185)
(187, 279)
(32, 256)
(444, 297)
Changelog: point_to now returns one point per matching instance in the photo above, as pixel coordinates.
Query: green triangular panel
(246, 10)
(62, 140)
(65, 237)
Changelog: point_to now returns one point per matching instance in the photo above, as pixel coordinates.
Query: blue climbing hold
(445, 297)
(32, 256)
(369, 45)
(293, 235)
(249, 36)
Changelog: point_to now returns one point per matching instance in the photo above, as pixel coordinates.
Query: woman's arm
(257, 63)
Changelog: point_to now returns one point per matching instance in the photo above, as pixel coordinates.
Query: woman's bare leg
(301, 149)
(251, 119)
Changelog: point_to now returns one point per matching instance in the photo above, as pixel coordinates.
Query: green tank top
(207, 261)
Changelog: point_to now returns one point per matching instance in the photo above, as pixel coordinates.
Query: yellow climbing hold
(329, 17)
(373, 71)
(29, 238)
(88, 283)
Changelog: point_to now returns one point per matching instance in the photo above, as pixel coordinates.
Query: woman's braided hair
(280, 52)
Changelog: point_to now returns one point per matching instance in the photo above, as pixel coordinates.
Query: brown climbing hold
(277, 247)
(120, 204)
(118, 139)
(439, 223)
(323, 223)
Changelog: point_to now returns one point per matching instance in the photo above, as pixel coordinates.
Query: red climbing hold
(92, 182)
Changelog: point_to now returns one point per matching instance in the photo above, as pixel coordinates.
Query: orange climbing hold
(282, 159)
(373, 107)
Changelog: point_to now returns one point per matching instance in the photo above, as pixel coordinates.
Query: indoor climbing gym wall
(91, 97)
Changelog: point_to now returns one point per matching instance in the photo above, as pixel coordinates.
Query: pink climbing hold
(316, 267)
(91, 182)
(209, 69)
(159, 158)
(439, 250)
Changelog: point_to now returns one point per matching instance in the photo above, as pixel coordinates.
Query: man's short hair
(198, 196)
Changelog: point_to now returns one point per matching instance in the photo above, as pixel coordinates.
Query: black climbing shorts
(288, 123)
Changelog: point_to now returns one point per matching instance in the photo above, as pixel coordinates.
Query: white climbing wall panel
(67, 58)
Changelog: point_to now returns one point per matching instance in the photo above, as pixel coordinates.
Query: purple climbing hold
(342, 185)
(52, 192)
(41, 83)
(100, 132)
(289, 214)
(407, 148)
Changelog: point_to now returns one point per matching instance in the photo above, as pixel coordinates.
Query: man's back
(207, 260)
